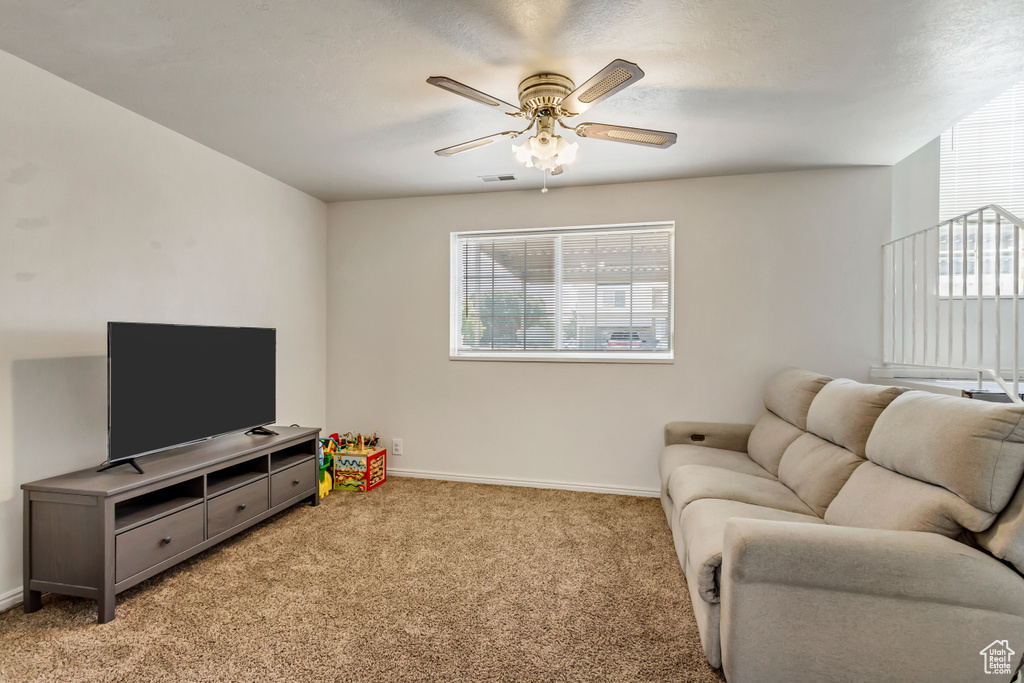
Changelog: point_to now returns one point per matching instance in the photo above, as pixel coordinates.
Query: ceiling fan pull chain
(544, 190)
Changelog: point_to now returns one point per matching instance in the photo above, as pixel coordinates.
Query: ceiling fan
(548, 99)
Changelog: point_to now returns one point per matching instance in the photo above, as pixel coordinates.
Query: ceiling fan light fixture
(523, 154)
(567, 152)
(545, 151)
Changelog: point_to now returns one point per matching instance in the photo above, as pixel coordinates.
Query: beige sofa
(854, 533)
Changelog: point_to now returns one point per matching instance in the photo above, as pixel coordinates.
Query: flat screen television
(169, 385)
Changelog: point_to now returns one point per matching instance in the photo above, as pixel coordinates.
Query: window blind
(602, 291)
(982, 158)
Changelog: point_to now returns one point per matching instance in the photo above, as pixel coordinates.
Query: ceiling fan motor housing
(543, 91)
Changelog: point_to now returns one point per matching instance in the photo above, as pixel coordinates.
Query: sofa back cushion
(788, 398)
(939, 463)
(878, 498)
(769, 439)
(839, 419)
(816, 469)
(973, 448)
(790, 394)
(844, 412)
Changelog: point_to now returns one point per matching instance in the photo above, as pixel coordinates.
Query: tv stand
(127, 461)
(94, 534)
(262, 431)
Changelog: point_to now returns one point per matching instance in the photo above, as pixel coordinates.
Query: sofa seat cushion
(677, 455)
(702, 531)
(690, 483)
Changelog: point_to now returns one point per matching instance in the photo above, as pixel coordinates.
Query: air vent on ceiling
(497, 178)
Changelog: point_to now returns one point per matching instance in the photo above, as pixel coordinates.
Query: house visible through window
(573, 293)
(981, 162)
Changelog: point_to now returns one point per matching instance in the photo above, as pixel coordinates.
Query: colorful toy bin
(352, 462)
(360, 470)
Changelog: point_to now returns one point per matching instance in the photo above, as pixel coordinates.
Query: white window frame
(589, 356)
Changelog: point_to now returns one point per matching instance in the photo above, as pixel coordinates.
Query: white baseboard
(10, 599)
(530, 483)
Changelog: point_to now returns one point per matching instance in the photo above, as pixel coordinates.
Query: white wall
(772, 270)
(915, 191)
(105, 215)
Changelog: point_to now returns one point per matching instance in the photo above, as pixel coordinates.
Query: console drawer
(234, 507)
(151, 544)
(294, 481)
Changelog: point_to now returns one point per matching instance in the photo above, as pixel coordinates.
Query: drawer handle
(242, 506)
(295, 482)
(165, 540)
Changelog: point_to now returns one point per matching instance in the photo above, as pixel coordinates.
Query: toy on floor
(358, 463)
(360, 469)
(354, 442)
(326, 450)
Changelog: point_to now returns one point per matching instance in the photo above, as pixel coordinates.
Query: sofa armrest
(728, 436)
(808, 602)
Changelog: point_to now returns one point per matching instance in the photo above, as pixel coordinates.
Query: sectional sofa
(854, 533)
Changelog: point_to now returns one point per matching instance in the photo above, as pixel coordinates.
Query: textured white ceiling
(330, 96)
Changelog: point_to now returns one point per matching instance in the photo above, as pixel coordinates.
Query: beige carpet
(416, 581)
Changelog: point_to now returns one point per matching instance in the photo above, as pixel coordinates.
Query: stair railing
(951, 299)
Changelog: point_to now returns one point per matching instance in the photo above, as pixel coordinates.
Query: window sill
(662, 357)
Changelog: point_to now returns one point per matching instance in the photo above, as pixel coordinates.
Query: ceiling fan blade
(448, 84)
(472, 144)
(634, 136)
(602, 85)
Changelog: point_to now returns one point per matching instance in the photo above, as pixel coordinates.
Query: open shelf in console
(151, 506)
(232, 477)
(286, 457)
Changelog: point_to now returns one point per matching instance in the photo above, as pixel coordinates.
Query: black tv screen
(174, 384)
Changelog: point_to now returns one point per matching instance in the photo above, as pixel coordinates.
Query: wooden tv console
(94, 534)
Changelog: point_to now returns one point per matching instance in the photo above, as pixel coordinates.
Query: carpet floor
(417, 580)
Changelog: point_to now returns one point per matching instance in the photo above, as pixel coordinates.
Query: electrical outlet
(396, 446)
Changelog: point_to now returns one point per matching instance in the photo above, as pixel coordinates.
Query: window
(600, 292)
(981, 158)
(981, 162)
